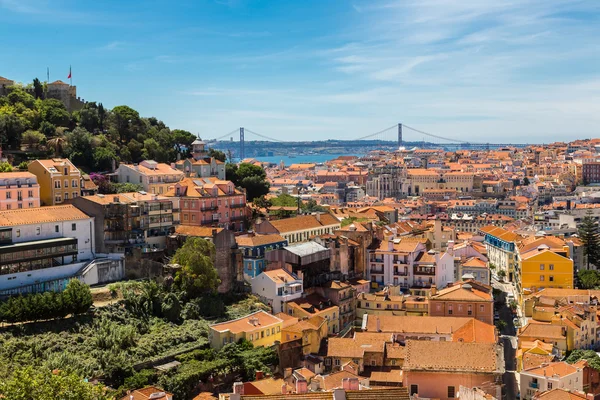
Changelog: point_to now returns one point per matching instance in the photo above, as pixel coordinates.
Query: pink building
(210, 202)
(464, 299)
(437, 369)
(19, 190)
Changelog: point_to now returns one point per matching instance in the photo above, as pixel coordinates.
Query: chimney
(284, 388)
(433, 289)
(391, 245)
(378, 325)
(318, 217)
(301, 386)
(238, 388)
(259, 375)
(287, 373)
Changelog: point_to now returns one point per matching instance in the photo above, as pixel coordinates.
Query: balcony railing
(237, 218)
(424, 270)
(376, 260)
(209, 208)
(376, 271)
(237, 205)
(533, 385)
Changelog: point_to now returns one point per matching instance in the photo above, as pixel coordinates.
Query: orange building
(463, 299)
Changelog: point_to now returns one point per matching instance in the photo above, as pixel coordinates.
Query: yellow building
(259, 328)
(58, 178)
(311, 331)
(542, 267)
(533, 354)
(379, 304)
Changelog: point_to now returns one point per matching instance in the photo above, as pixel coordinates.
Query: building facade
(59, 180)
(19, 190)
(155, 178)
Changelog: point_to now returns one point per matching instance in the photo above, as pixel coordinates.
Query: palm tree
(57, 144)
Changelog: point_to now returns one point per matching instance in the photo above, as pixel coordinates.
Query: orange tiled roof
(440, 356)
(244, 324)
(27, 216)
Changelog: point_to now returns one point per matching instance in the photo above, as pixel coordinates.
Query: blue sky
(489, 71)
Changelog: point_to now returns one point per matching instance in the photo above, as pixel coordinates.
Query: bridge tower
(399, 135)
(242, 150)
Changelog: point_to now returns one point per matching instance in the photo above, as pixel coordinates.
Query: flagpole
(71, 75)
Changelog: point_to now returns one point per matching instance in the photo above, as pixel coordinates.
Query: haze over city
(520, 71)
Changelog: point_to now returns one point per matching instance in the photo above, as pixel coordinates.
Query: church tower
(199, 149)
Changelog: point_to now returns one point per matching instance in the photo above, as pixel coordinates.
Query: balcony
(238, 218)
(209, 208)
(376, 260)
(400, 272)
(376, 270)
(430, 271)
(533, 385)
(237, 205)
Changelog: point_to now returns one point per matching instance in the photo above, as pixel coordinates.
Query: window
(393, 362)
(37, 230)
(262, 334)
(337, 362)
(551, 278)
(268, 332)
(66, 171)
(8, 195)
(30, 193)
(193, 217)
(367, 305)
(551, 266)
(74, 183)
(272, 331)
(372, 363)
(75, 194)
(542, 277)
(549, 385)
(18, 233)
(185, 217)
(66, 183)
(451, 392)
(56, 229)
(541, 267)
(73, 227)
(481, 307)
(414, 389)
(378, 305)
(56, 184)
(66, 196)
(449, 310)
(251, 337)
(469, 310)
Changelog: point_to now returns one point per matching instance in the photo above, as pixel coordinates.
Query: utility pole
(242, 149)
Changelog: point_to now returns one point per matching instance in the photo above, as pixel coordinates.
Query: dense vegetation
(75, 299)
(153, 321)
(92, 138)
(96, 139)
(589, 355)
(40, 384)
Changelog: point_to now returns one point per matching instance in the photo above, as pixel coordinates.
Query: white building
(276, 287)
(155, 178)
(407, 263)
(548, 376)
(43, 244)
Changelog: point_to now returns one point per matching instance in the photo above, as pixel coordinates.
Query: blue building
(254, 247)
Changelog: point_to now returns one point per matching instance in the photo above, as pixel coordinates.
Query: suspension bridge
(398, 135)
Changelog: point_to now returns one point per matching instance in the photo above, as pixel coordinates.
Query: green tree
(589, 355)
(219, 155)
(103, 158)
(526, 181)
(588, 278)
(55, 112)
(198, 274)
(42, 384)
(38, 89)
(5, 167)
(588, 233)
(126, 187)
(126, 122)
(89, 118)
(78, 296)
(33, 138)
(251, 177)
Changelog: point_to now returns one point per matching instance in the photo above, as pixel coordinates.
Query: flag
(69, 77)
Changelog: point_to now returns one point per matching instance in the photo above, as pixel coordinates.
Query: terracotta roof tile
(451, 356)
(27, 216)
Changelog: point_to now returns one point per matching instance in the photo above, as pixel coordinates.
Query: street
(509, 340)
